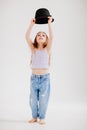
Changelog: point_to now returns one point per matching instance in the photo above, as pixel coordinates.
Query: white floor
(62, 117)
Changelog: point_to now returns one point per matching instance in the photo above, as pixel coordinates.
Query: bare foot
(42, 122)
(33, 120)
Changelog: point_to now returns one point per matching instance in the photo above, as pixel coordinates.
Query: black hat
(42, 15)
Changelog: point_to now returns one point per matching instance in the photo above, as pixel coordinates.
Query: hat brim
(42, 20)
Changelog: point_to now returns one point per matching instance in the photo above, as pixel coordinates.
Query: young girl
(40, 77)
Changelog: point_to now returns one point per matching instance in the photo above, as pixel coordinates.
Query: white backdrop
(69, 54)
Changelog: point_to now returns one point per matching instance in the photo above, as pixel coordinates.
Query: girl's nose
(40, 36)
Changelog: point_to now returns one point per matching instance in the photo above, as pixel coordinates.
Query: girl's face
(41, 37)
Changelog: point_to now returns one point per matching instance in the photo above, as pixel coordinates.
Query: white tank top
(40, 59)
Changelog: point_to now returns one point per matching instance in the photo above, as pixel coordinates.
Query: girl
(40, 77)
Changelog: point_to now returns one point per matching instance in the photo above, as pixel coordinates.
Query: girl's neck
(40, 48)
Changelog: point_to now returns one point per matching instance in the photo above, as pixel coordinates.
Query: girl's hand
(33, 21)
(49, 19)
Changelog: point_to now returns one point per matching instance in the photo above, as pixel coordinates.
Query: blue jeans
(39, 95)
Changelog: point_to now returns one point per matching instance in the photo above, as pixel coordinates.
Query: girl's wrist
(49, 20)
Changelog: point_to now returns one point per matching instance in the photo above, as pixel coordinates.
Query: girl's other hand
(49, 19)
(33, 21)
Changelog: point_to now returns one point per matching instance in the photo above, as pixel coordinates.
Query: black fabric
(42, 15)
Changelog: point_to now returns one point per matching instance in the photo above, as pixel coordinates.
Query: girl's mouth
(41, 38)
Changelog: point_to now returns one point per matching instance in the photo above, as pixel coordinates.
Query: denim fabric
(39, 95)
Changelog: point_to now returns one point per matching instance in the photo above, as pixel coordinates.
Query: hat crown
(42, 12)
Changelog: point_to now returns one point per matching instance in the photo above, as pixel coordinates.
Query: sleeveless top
(40, 59)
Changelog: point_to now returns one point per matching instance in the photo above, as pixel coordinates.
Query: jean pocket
(46, 78)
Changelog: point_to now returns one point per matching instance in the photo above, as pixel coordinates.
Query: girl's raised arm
(29, 41)
(50, 33)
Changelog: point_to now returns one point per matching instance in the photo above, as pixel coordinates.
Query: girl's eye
(38, 35)
(43, 35)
